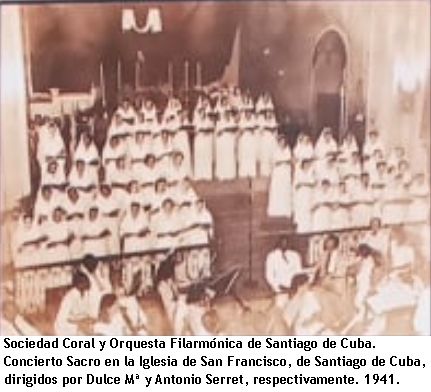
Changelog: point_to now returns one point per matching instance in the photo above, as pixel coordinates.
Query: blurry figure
(13, 324)
(225, 161)
(282, 265)
(304, 184)
(74, 312)
(203, 146)
(280, 188)
(323, 198)
(247, 147)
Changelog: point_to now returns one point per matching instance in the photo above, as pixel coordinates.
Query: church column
(15, 167)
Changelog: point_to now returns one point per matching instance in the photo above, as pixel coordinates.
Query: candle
(198, 74)
(137, 75)
(170, 76)
(119, 82)
(186, 75)
(102, 84)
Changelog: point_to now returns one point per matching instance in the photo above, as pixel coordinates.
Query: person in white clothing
(166, 226)
(87, 151)
(225, 159)
(12, 323)
(303, 149)
(45, 204)
(304, 184)
(75, 213)
(378, 239)
(203, 146)
(59, 237)
(247, 146)
(27, 242)
(54, 177)
(163, 150)
(341, 208)
(267, 142)
(323, 198)
(95, 234)
(73, 314)
(110, 321)
(362, 202)
(372, 144)
(280, 188)
(325, 145)
(419, 207)
(138, 150)
(281, 265)
(84, 181)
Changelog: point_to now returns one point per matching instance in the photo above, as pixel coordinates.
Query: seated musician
(109, 322)
(303, 313)
(12, 323)
(282, 265)
(73, 316)
(132, 313)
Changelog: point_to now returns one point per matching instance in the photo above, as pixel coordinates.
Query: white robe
(303, 151)
(322, 209)
(280, 269)
(73, 307)
(280, 188)
(108, 205)
(164, 227)
(181, 143)
(363, 282)
(418, 209)
(247, 150)
(267, 146)
(133, 226)
(302, 199)
(362, 207)
(163, 152)
(394, 205)
(421, 318)
(225, 150)
(94, 246)
(27, 254)
(203, 149)
(57, 232)
(341, 211)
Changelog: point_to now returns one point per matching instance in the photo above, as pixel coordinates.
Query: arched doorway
(329, 63)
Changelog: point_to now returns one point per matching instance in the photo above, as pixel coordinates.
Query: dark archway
(329, 63)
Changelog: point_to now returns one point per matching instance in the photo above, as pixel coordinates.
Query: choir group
(134, 195)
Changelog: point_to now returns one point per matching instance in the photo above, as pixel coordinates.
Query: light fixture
(153, 24)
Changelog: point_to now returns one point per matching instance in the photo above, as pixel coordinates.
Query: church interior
(215, 168)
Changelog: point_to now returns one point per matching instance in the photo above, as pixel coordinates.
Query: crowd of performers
(133, 193)
(384, 277)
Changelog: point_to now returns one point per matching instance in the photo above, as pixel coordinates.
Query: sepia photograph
(215, 168)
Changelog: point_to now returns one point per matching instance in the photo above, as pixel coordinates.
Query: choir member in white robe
(325, 145)
(14, 324)
(327, 169)
(181, 139)
(247, 146)
(149, 110)
(74, 307)
(321, 209)
(100, 284)
(135, 235)
(119, 178)
(126, 112)
(280, 187)
(163, 150)
(184, 193)
(144, 128)
(110, 321)
(379, 182)
(119, 128)
(138, 150)
(203, 147)
(54, 177)
(351, 172)
(87, 151)
(362, 202)
(165, 226)
(397, 155)
(281, 266)
(148, 176)
(110, 210)
(178, 171)
(267, 142)
(95, 233)
(75, 213)
(59, 236)
(45, 204)
(114, 149)
(372, 143)
(225, 148)
(303, 312)
(264, 104)
(84, 181)
(394, 203)
(159, 195)
(348, 146)
(28, 242)
(341, 208)
(51, 146)
(418, 209)
(303, 149)
(403, 170)
(304, 183)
